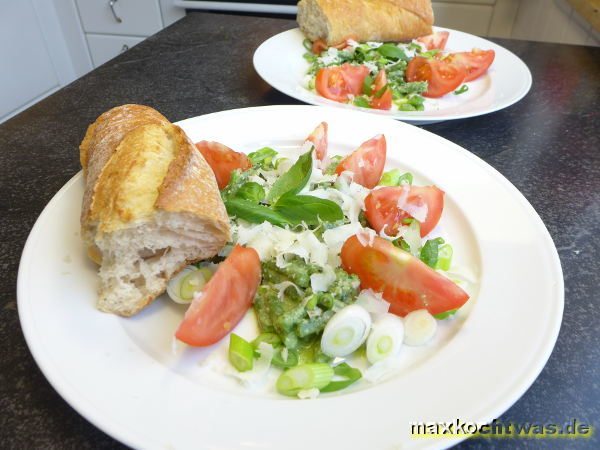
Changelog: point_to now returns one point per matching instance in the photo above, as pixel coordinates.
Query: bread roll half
(365, 20)
(151, 205)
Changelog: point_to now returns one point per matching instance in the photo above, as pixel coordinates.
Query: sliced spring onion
(194, 282)
(269, 338)
(343, 370)
(346, 331)
(284, 358)
(181, 288)
(445, 314)
(306, 376)
(412, 236)
(241, 353)
(444, 257)
(385, 339)
(307, 43)
(461, 90)
(419, 327)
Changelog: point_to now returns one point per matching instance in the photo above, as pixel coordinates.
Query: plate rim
(416, 118)
(130, 439)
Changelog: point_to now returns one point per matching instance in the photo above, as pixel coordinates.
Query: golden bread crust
(136, 163)
(365, 20)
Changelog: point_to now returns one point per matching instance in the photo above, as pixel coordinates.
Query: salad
(333, 256)
(392, 76)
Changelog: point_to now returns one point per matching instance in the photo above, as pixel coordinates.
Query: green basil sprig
(293, 180)
(253, 213)
(392, 51)
(308, 209)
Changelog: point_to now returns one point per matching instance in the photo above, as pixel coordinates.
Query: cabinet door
(470, 18)
(103, 48)
(130, 17)
(27, 72)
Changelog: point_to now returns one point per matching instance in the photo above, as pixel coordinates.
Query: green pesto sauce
(288, 316)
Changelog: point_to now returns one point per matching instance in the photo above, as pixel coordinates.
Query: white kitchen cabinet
(45, 45)
(104, 47)
(113, 26)
(120, 17)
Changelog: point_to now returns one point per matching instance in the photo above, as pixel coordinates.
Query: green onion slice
(350, 374)
(306, 376)
(241, 353)
(461, 90)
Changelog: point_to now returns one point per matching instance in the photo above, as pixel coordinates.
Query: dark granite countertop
(547, 145)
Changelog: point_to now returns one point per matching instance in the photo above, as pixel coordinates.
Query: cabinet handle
(111, 3)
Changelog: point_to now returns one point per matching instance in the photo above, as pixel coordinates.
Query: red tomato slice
(475, 62)
(441, 76)
(318, 46)
(366, 162)
(319, 139)
(336, 83)
(384, 101)
(407, 283)
(436, 40)
(222, 160)
(387, 207)
(223, 301)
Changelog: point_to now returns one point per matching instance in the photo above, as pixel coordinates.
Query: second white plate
(279, 62)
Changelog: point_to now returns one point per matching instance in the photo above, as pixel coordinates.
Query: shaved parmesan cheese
(281, 287)
(381, 369)
(317, 251)
(366, 237)
(308, 394)
(417, 211)
(319, 282)
(373, 302)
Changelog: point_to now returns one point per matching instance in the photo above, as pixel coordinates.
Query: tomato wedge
(223, 301)
(475, 62)
(436, 40)
(441, 76)
(387, 206)
(407, 283)
(319, 45)
(319, 139)
(366, 162)
(384, 101)
(336, 83)
(222, 160)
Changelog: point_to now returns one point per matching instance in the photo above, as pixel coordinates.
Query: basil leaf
(392, 51)
(381, 91)
(251, 191)
(367, 85)
(429, 252)
(308, 209)
(362, 102)
(264, 155)
(293, 180)
(245, 209)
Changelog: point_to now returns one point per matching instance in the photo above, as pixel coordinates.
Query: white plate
(122, 375)
(279, 62)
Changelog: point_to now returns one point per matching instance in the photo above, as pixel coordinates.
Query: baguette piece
(333, 21)
(151, 205)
